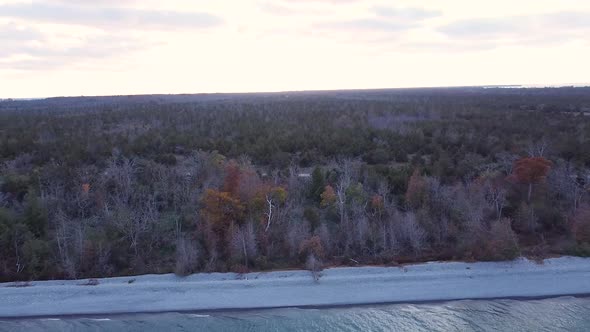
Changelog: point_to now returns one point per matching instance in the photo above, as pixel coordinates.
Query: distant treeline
(103, 186)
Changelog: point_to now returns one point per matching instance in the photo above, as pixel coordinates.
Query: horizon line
(522, 86)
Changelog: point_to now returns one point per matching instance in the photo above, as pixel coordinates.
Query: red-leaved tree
(531, 171)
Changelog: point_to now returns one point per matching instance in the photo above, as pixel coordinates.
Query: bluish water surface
(559, 314)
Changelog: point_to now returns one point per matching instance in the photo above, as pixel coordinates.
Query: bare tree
(103, 253)
(496, 197)
(314, 265)
(134, 222)
(186, 256)
(270, 204)
(506, 161)
(326, 238)
(52, 193)
(295, 183)
(243, 242)
(348, 170)
(360, 226)
(297, 232)
(390, 229)
(566, 185)
(410, 234)
(18, 243)
(538, 148)
(122, 176)
(64, 239)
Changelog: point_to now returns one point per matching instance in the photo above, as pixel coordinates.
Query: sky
(114, 47)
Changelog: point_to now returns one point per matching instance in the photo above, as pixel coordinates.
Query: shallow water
(560, 314)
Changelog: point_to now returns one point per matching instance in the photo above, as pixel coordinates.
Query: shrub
(186, 257)
(581, 225)
(526, 220)
(312, 216)
(166, 159)
(314, 266)
(312, 246)
(262, 263)
(239, 269)
(582, 250)
(20, 284)
(91, 282)
(502, 242)
(16, 185)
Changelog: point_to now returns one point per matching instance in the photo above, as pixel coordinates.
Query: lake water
(559, 314)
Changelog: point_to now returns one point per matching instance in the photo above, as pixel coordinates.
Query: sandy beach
(436, 281)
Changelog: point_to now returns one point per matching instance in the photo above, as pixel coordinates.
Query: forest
(125, 185)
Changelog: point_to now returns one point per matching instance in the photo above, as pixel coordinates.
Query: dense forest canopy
(103, 186)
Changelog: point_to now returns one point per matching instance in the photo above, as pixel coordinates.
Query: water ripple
(561, 314)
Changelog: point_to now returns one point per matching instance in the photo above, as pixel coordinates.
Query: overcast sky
(103, 47)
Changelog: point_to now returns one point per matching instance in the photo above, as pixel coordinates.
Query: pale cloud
(444, 47)
(365, 24)
(332, 2)
(98, 46)
(567, 25)
(377, 24)
(285, 9)
(11, 32)
(44, 56)
(302, 7)
(29, 48)
(406, 13)
(108, 17)
(93, 2)
(59, 33)
(276, 9)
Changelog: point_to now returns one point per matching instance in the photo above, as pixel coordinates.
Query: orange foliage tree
(231, 183)
(416, 190)
(328, 196)
(377, 202)
(378, 206)
(312, 246)
(221, 209)
(531, 171)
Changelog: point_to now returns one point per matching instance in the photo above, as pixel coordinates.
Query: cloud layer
(108, 30)
(289, 44)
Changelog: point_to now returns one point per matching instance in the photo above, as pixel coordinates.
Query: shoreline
(434, 282)
(207, 312)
